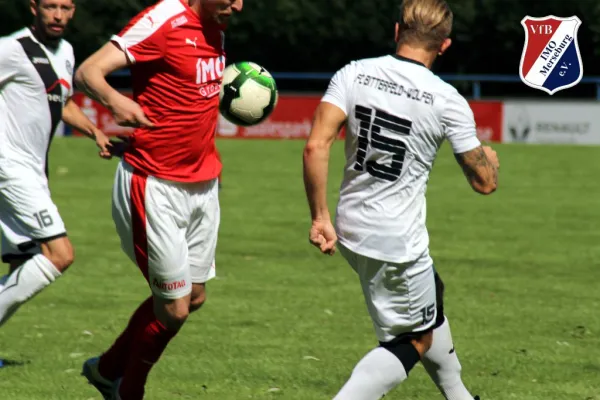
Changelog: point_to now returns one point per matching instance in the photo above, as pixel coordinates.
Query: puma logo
(193, 43)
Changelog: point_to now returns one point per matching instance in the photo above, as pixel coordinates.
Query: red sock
(112, 362)
(147, 347)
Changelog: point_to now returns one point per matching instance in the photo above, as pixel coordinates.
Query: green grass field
(521, 269)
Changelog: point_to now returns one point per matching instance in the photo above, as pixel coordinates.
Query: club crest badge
(69, 67)
(551, 60)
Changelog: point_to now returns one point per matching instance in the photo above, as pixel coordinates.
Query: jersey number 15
(370, 135)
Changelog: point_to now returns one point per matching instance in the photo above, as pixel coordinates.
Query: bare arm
(74, 117)
(480, 166)
(91, 75)
(91, 78)
(327, 123)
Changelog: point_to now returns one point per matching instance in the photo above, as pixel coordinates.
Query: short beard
(47, 38)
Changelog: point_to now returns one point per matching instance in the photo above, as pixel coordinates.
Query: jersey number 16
(370, 135)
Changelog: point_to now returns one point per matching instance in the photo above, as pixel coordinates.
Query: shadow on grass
(12, 363)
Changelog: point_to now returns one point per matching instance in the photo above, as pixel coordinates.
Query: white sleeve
(9, 63)
(340, 87)
(142, 39)
(459, 124)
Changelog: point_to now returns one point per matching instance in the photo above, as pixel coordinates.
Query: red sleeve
(142, 39)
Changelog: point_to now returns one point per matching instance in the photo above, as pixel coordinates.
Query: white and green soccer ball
(248, 94)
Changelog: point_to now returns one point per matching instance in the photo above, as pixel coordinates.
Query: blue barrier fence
(474, 80)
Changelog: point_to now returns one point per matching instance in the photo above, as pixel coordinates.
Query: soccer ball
(248, 94)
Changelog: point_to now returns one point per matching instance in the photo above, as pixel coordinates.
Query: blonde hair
(424, 23)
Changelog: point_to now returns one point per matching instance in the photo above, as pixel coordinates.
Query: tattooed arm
(480, 166)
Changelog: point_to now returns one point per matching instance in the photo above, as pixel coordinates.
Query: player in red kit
(165, 195)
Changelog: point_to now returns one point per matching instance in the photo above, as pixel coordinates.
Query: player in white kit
(397, 114)
(36, 71)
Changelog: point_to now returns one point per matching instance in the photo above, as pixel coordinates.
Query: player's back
(177, 65)
(399, 113)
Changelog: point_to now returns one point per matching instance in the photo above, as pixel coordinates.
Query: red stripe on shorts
(138, 220)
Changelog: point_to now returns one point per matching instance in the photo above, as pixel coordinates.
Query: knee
(62, 257)
(423, 343)
(409, 350)
(197, 302)
(173, 316)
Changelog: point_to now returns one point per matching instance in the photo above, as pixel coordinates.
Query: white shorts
(28, 216)
(401, 298)
(169, 229)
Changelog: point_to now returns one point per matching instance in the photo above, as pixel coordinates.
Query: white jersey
(399, 114)
(35, 82)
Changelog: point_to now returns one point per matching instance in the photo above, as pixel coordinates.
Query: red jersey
(177, 65)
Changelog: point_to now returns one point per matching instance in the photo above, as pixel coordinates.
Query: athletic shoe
(104, 386)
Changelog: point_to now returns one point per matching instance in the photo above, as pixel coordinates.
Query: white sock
(24, 283)
(441, 362)
(3, 280)
(376, 374)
